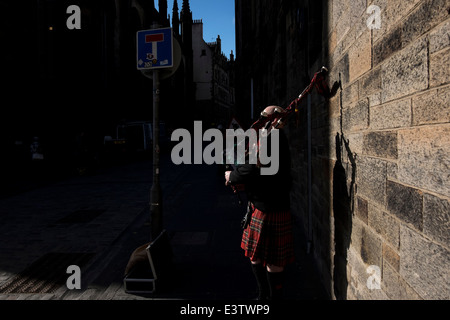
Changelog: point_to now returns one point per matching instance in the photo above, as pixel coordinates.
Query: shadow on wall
(343, 207)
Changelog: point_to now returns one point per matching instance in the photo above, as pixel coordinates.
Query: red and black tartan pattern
(269, 238)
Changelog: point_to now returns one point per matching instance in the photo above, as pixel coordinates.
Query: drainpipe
(251, 99)
(309, 168)
(309, 243)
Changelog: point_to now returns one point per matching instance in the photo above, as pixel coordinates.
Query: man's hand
(227, 178)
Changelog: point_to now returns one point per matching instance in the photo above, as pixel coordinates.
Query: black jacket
(268, 193)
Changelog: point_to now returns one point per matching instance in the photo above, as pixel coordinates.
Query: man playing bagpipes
(267, 238)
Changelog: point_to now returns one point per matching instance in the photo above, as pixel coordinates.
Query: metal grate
(81, 216)
(46, 274)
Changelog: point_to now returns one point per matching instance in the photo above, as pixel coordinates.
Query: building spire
(186, 17)
(163, 8)
(186, 7)
(175, 18)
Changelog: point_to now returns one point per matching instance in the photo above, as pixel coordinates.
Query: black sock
(261, 279)
(276, 284)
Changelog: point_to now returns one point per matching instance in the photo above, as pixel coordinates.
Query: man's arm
(243, 173)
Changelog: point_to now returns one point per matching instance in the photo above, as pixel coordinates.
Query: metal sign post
(155, 51)
(156, 197)
(156, 60)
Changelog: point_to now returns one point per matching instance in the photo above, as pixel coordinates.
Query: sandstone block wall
(393, 112)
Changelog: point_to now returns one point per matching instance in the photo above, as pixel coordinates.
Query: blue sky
(217, 17)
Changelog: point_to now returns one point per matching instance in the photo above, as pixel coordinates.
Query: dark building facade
(63, 82)
(277, 45)
(207, 75)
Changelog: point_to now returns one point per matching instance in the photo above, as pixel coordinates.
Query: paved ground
(97, 221)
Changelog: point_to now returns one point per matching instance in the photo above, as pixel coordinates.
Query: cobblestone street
(100, 219)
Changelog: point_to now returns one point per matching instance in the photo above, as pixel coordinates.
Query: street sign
(168, 72)
(154, 49)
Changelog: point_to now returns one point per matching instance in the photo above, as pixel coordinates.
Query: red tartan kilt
(269, 238)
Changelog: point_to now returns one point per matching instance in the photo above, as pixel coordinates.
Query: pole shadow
(343, 207)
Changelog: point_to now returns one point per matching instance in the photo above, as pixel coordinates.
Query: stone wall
(394, 112)
(375, 210)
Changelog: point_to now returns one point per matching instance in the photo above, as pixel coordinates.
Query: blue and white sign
(154, 49)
